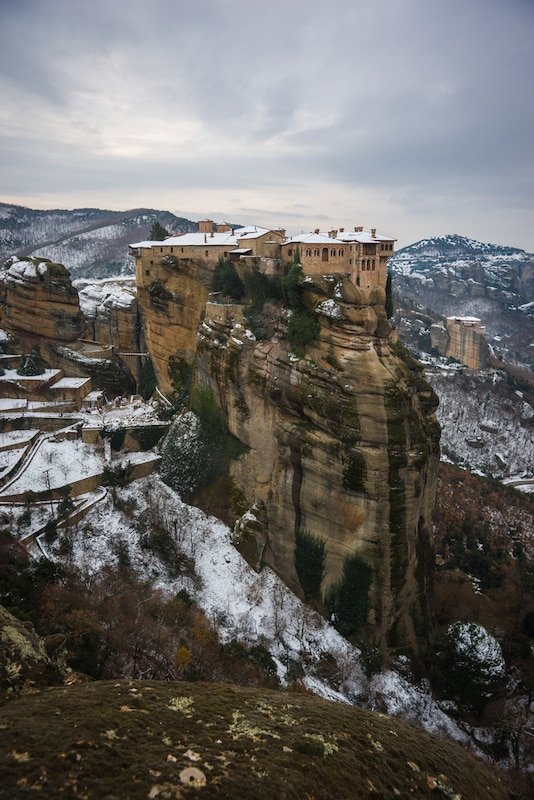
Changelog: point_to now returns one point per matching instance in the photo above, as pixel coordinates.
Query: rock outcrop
(342, 444)
(172, 294)
(110, 308)
(27, 661)
(37, 298)
(149, 739)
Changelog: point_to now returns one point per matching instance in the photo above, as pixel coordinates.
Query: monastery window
(316, 253)
(182, 249)
(206, 253)
(151, 262)
(308, 252)
(373, 264)
(333, 253)
(324, 255)
(172, 249)
(161, 249)
(147, 273)
(290, 252)
(341, 253)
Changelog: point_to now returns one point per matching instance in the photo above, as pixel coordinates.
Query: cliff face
(37, 297)
(173, 297)
(342, 444)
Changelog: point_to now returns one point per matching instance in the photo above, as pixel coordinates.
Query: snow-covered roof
(194, 239)
(342, 237)
(70, 383)
(241, 251)
(467, 320)
(251, 232)
(364, 237)
(313, 238)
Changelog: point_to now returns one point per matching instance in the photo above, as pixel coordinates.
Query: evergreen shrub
(348, 599)
(309, 558)
(227, 281)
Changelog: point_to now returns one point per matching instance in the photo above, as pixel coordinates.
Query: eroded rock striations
(37, 297)
(172, 294)
(342, 444)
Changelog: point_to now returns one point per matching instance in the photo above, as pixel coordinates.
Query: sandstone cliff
(342, 444)
(172, 295)
(37, 297)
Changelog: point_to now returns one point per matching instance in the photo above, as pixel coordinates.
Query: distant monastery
(361, 255)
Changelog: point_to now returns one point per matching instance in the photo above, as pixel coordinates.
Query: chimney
(332, 234)
(316, 230)
(373, 233)
(342, 230)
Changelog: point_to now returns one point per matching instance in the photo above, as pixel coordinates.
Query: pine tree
(389, 296)
(32, 364)
(147, 380)
(157, 232)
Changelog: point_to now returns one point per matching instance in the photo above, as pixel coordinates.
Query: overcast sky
(412, 116)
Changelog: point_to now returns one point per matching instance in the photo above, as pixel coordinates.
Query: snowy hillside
(487, 426)
(453, 275)
(91, 242)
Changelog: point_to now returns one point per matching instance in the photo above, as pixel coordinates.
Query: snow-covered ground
(245, 605)
(54, 464)
(485, 428)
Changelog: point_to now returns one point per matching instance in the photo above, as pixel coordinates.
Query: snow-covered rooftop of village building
(225, 239)
(342, 237)
(465, 320)
(71, 383)
(251, 232)
(313, 238)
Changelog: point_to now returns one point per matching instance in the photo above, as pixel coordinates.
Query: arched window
(290, 252)
(308, 252)
(333, 253)
(324, 254)
(341, 253)
(206, 253)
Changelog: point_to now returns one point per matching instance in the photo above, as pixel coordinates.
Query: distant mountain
(91, 242)
(453, 275)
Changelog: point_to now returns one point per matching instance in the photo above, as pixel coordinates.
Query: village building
(361, 255)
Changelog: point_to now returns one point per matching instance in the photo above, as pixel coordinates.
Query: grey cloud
(405, 97)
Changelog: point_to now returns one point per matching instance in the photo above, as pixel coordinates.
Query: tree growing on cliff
(32, 364)
(389, 296)
(157, 232)
(309, 556)
(147, 379)
(348, 599)
(227, 281)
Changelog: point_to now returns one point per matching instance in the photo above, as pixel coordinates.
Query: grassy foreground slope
(134, 739)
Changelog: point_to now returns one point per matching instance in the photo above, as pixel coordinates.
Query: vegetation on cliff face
(309, 560)
(348, 599)
(198, 447)
(169, 740)
(226, 280)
